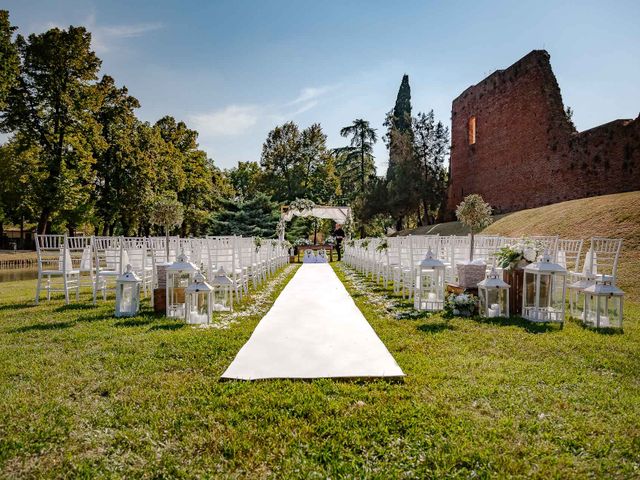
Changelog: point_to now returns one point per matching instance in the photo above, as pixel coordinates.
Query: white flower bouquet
(523, 252)
(460, 305)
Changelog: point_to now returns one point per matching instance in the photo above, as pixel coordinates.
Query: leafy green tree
(356, 162)
(196, 190)
(431, 142)
(402, 164)
(297, 164)
(9, 59)
(281, 160)
(255, 216)
(52, 106)
(356, 165)
(20, 173)
(123, 180)
(245, 178)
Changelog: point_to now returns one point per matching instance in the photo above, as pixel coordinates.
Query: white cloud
(104, 37)
(311, 93)
(129, 31)
(228, 121)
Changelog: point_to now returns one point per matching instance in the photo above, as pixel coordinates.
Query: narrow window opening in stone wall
(472, 130)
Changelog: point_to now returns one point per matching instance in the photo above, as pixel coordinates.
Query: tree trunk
(43, 221)
(471, 247)
(21, 232)
(399, 222)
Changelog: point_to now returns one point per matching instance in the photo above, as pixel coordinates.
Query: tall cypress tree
(399, 139)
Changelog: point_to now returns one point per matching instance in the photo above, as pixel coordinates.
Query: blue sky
(234, 69)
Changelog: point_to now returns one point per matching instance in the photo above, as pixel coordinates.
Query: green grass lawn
(85, 394)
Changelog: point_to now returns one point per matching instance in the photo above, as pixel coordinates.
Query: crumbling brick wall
(526, 152)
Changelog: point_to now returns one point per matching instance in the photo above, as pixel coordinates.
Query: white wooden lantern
(128, 293)
(199, 300)
(179, 276)
(576, 294)
(494, 296)
(603, 304)
(544, 290)
(429, 293)
(222, 291)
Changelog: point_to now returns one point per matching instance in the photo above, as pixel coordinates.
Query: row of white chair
(395, 259)
(65, 263)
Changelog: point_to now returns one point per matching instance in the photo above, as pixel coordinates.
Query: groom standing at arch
(338, 233)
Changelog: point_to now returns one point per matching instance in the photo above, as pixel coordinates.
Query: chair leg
(48, 288)
(78, 289)
(95, 289)
(65, 286)
(38, 288)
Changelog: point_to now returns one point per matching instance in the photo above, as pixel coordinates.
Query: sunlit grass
(85, 394)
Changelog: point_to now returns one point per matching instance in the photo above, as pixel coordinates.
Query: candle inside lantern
(431, 297)
(494, 310)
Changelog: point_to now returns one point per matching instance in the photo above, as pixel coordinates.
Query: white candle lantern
(128, 293)
(603, 304)
(429, 293)
(576, 294)
(199, 300)
(222, 291)
(544, 290)
(179, 276)
(494, 296)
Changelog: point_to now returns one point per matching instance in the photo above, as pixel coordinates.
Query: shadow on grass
(433, 328)
(43, 327)
(17, 306)
(168, 326)
(74, 306)
(134, 322)
(530, 327)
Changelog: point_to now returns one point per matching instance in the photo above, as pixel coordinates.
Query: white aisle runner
(313, 330)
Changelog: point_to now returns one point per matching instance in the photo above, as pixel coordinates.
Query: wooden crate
(159, 300)
(515, 278)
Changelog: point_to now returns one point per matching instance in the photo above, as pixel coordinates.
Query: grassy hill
(616, 216)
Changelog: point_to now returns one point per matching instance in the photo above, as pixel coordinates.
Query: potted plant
(475, 213)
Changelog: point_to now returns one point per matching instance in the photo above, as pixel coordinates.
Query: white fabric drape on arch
(337, 214)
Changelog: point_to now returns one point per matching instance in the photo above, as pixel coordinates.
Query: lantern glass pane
(614, 312)
(546, 291)
(529, 289)
(126, 298)
(558, 292)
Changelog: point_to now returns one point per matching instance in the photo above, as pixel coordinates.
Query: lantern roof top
(429, 261)
(493, 280)
(199, 284)
(588, 280)
(545, 265)
(183, 264)
(604, 286)
(129, 276)
(221, 278)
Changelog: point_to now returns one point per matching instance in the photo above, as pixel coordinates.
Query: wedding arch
(306, 208)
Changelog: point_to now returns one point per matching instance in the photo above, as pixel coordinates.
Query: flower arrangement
(460, 305)
(300, 242)
(257, 241)
(365, 243)
(351, 243)
(330, 240)
(280, 226)
(302, 204)
(510, 256)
